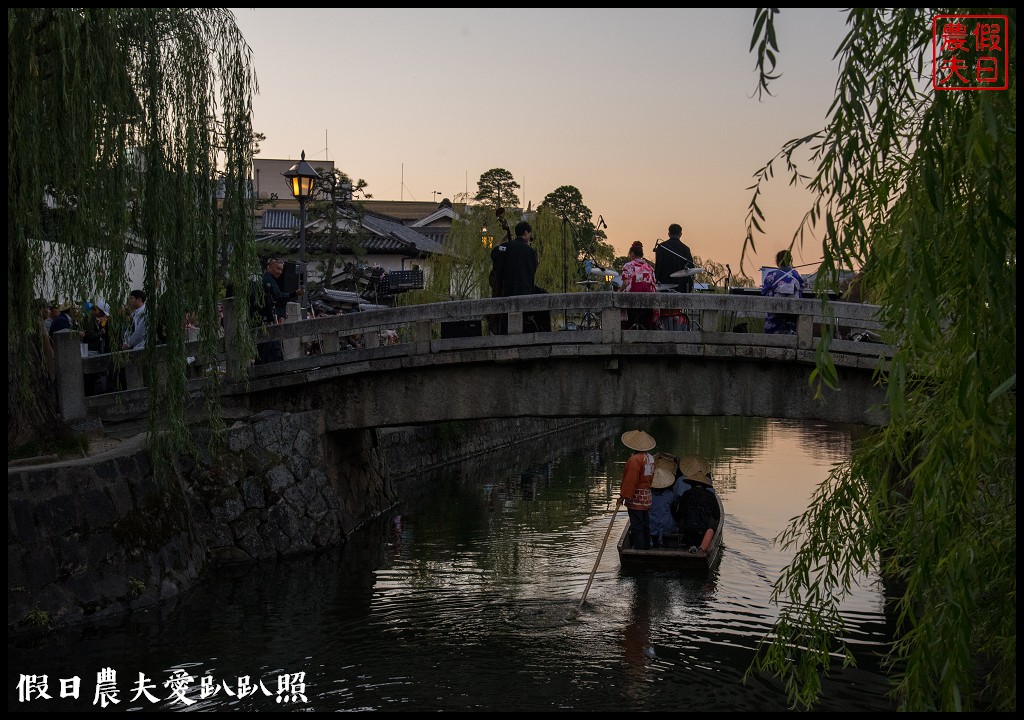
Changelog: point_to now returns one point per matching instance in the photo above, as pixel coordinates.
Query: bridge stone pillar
(423, 337)
(231, 364)
(611, 325)
(70, 386)
(805, 332)
(291, 348)
(133, 374)
(329, 342)
(515, 323)
(709, 320)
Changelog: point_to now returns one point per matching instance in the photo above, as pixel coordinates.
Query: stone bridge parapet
(430, 363)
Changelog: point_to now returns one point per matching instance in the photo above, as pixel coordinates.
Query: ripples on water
(469, 597)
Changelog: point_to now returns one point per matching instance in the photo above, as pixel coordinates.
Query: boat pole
(599, 554)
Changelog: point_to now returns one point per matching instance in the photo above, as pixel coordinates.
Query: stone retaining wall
(410, 450)
(101, 536)
(96, 537)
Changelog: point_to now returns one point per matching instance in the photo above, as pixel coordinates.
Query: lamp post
(301, 177)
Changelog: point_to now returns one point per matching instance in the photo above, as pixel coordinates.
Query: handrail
(417, 330)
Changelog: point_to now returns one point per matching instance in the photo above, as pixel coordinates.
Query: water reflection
(468, 596)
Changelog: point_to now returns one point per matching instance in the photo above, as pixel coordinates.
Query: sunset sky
(650, 113)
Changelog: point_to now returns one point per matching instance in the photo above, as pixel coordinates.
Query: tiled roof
(406, 210)
(391, 228)
(387, 236)
(438, 235)
(280, 220)
(440, 214)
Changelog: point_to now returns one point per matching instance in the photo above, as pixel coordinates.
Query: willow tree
(584, 239)
(919, 186)
(558, 269)
(460, 272)
(124, 126)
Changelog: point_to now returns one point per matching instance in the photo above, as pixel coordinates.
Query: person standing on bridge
(783, 281)
(276, 298)
(517, 271)
(635, 490)
(672, 256)
(275, 309)
(638, 276)
(135, 335)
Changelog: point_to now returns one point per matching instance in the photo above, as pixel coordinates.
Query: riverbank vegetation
(917, 186)
(129, 135)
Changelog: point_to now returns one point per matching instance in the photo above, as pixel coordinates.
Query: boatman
(635, 490)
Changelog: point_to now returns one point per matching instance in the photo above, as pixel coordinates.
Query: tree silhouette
(497, 188)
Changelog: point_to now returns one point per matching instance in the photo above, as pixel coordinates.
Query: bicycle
(590, 321)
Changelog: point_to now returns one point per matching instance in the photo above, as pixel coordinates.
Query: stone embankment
(96, 537)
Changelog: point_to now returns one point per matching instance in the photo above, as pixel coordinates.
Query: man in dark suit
(672, 256)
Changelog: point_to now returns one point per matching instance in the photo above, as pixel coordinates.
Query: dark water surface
(468, 598)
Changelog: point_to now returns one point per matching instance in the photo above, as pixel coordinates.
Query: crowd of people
(514, 268)
(669, 500)
(90, 321)
(93, 323)
(514, 265)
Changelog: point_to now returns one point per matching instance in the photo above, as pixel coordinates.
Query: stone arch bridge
(430, 363)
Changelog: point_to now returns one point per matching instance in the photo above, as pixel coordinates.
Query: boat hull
(672, 558)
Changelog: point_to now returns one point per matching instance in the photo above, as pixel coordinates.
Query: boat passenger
(693, 466)
(635, 490)
(665, 489)
(696, 512)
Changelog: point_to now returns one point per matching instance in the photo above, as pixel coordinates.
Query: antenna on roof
(326, 148)
(402, 193)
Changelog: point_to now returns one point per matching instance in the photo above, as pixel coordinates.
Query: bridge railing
(357, 339)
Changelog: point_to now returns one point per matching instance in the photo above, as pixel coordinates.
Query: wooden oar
(599, 554)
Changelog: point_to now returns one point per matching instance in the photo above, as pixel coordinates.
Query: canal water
(467, 598)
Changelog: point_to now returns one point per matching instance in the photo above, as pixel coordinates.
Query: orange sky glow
(650, 113)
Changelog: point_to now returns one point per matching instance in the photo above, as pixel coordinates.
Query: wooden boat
(672, 558)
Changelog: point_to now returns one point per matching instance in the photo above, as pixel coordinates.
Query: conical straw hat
(638, 440)
(665, 466)
(696, 468)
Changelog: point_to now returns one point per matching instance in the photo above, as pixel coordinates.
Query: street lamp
(436, 193)
(301, 177)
